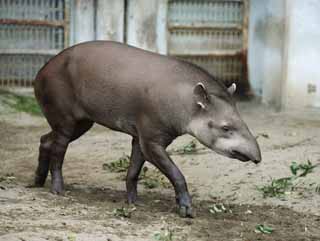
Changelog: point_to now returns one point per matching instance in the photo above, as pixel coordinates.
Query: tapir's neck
(183, 109)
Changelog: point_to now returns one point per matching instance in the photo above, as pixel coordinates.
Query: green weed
(123, 212)
(152, 178)
(217, 208)
(277, 187)
(280, 187)
(188, 149)
(21, 103)
(120, 165)
(166, 235)
(301, 170)
(263, 229)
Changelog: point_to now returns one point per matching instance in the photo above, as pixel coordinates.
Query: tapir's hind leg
(52, 151)
(43, 160)
(136, 163)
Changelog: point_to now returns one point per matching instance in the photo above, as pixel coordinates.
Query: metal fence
(211, 34)
(31, 32)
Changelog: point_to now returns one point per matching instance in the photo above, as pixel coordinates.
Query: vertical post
(142, 28)
(110, 20)
(162, 27)
(285, 56)
(244, 58)
(84, 21)
(66, 19)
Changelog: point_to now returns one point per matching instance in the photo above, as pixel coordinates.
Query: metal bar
(205, 26)
(214, 1)
(245, 75)
(30, 51)
(33, 22)
(66, 23)
(214, 53)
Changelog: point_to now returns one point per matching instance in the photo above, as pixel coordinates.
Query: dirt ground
(86, 212)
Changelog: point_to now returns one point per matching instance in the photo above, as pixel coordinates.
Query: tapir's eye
(225, 128)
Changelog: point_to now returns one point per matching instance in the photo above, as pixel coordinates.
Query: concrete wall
(83, 21)
(110, 20)
(302, 83)
(96, 20)
(146, 24)
(266, 53)
(284, 52)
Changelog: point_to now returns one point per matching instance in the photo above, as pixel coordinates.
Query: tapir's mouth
(240, 156)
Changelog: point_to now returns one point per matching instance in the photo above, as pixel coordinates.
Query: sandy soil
(86, 212)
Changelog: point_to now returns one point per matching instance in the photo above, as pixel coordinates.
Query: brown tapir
(153, 98)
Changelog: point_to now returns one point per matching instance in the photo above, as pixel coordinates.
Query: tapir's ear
(232, 88)
(201, 95)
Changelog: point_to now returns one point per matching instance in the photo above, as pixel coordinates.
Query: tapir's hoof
(57, 192)
(185, 212)
(57, 189)
(39, 181)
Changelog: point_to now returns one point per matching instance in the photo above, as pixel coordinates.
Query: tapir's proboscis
(152, 97)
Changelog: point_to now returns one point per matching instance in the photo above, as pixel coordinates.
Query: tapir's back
(108, 82)
(112, 83)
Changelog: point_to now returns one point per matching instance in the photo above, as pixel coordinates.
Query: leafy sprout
(260, 228)
(120, 165)
(277, 187)
(301, 170)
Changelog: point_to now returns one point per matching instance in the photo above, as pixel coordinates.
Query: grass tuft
(20, 103)
(188, 149)
(123, 212)
(282, 186)
(301, 170)
(166, 235)
(277, 187)
(263, 229)
(120, 165)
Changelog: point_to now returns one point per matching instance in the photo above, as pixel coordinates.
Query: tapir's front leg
(156, 154)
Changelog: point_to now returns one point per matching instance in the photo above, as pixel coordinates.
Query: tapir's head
(217, 124)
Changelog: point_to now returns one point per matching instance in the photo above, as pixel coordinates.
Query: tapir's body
(116, 85)
(151, 97)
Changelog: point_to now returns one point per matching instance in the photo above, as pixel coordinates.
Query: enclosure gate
(211, 34)
(31, 32)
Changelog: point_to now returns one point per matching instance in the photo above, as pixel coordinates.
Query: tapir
(152, 97)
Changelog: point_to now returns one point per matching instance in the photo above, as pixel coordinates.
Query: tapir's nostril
(256, 161)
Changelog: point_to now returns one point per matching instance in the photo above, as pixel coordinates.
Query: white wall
(302, 82)
(110, 20)
(266, 38)
(146, 24)
(96, 20)
(82, 16)
(284, 52)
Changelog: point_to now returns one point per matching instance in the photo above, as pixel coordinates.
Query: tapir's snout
(249, 152)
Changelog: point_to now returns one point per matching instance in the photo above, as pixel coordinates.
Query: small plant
(301, 170)
(9, 177)
(152, 178)
(277, 187)
(166, 235)
(120, 165)
(318, 189)
(263, 229)
(187, 149)
(280, 187)
(217, 208)
(123, 212)
(71, 237)
(151, 183)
